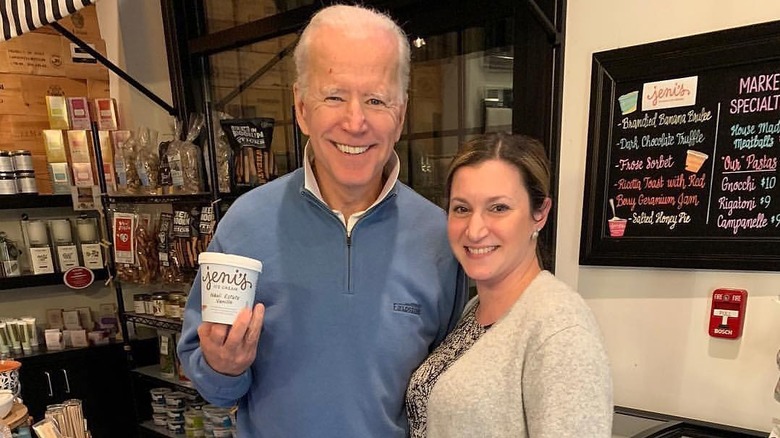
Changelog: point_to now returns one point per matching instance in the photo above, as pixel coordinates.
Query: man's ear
(300, 109)
(401, 118)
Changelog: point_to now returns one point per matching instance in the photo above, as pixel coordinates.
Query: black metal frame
(698, 55)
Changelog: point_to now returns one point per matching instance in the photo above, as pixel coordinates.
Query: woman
(526, 358)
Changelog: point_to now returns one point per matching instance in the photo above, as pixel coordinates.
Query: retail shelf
(149, 426)
(159, 199)
(8, 202)
(153, 371)
(25, 281)
(153, 321)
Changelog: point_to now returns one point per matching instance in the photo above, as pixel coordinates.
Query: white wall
(655, 320)
(135, 42)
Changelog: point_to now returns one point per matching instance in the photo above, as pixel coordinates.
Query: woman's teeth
(479, 251)
(353, 150)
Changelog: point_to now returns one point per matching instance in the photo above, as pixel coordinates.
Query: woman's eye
(498, 208)
(458, 209)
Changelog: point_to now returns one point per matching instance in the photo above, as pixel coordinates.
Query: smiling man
(358, 282)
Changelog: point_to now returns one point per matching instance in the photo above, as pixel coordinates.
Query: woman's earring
(535, 234)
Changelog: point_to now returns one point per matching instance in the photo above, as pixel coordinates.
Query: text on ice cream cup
(227, 285)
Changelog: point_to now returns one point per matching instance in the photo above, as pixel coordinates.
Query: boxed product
(79, 158)
(57, 110)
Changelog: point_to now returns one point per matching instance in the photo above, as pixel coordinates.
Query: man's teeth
(479, 251)
(354, 150)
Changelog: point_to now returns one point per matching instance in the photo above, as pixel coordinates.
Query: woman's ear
(540, 216)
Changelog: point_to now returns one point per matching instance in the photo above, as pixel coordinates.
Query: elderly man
(358, 282)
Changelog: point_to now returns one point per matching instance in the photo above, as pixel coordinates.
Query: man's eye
(334, 99)
(375, 101)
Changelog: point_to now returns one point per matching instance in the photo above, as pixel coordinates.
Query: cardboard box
(57, 110)
(80, 64)
(78, 113)
(32, 54)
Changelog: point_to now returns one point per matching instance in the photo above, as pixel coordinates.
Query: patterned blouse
(424, 378)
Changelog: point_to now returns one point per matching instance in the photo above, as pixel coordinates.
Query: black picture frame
(716, 59)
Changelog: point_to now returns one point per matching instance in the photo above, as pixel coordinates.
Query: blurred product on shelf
(250, 140)
(9, 257)
(37, 242)
(148, 161)
(186, 160)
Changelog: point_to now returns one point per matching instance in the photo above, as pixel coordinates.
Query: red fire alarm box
(728, 313)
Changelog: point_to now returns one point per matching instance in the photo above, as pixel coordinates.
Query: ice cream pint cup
(227, 285)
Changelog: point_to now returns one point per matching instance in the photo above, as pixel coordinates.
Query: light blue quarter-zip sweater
(347, 319)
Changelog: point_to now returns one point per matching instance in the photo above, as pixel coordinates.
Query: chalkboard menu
(683, 150)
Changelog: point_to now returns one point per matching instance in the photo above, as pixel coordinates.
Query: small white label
(672, 93)
(41, 260)
(93, 255)
(68, 257)
(164, 345)
(177, 173)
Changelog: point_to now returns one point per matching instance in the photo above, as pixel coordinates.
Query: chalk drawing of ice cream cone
(617, 226)
(628, 102)
(694, 160)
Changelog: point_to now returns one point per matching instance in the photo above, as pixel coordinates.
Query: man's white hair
(355, 21)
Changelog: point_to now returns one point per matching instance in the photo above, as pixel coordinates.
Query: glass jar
(139, 303)
(25, 182)
(7, 183)
(159, 301)
(22, 160)
(172, 305)
(6, 162)
(148, 304)
(64, 248)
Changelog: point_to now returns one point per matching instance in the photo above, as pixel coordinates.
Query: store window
(252, 82)
(461, 86)
(226, 14)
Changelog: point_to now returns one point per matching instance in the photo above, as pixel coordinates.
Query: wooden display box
(79, 64)
(32, 54)
(26, 94)
(83, 23)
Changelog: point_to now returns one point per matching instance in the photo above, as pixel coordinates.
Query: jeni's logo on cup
(671, 93)
(226, 280)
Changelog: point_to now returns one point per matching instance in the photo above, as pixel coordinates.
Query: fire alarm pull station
(728, 313)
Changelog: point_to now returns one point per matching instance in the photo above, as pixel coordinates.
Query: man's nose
(355, 117)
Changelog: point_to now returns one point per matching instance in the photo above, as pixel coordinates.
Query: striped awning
(20, 16)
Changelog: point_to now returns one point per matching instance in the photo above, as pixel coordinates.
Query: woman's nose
(477, 228)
